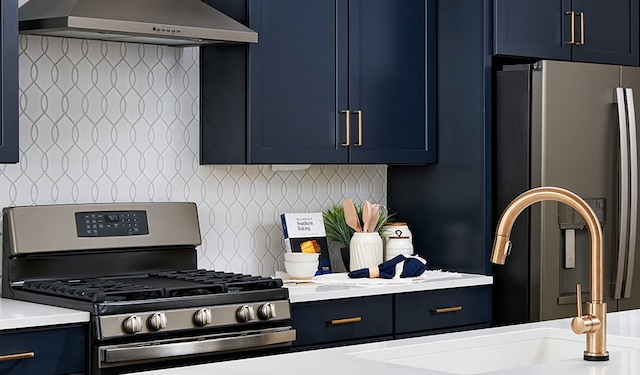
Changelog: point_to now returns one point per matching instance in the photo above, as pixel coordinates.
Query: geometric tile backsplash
(118, 122)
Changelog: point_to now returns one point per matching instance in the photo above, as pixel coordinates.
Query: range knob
(202, 317)
(245, 314)
(132, 324)
(267, 311)
(157, 321)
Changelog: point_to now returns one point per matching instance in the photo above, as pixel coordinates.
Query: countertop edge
(18, 314)
(310, 292)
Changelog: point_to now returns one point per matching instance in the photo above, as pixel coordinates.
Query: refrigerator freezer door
(577, 151)
(558, 128)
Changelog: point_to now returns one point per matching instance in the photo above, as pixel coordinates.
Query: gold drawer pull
(359, 128)
(572, 14)
(12, 357)
(448, 309)
(581, 42)
(348, 125)
(355, 319)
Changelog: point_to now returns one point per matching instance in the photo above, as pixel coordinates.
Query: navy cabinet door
(388, 79)
(610, 31)
(296, 86)
(53, 350)
(8, 81)
(532, 28)
(603, 31)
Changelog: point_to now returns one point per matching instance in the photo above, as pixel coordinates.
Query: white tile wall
(118, 122)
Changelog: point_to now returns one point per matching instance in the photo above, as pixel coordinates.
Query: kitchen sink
(494, 352)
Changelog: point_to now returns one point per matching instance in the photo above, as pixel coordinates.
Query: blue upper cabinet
(390, 75)
(296, 83)
(8, 81)
(578, 30)
(329, 82)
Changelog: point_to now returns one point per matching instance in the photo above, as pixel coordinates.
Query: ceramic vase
(365, 250)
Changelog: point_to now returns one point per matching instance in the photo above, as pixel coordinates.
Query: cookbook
(305, 233)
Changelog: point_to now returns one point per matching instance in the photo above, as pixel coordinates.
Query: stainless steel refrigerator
(570, 125)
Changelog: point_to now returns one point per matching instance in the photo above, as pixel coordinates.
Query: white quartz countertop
(340, 360)
(338, 285)
(17, 314)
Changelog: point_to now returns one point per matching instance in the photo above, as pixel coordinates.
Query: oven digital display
(112, 218)
(111, 223)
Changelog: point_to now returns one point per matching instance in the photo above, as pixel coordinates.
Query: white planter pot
(365, 250)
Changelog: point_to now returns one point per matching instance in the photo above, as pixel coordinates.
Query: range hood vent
(168, 22)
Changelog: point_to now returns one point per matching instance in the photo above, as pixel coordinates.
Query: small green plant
(337, 228)
(335, 225)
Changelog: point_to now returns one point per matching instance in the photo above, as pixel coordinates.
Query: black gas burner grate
(152, 286)
(231, 281)
(94, 290)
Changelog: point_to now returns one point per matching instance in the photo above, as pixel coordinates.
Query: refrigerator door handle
(633, 204)
(624, 192)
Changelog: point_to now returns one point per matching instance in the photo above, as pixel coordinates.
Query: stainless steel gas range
(133, 266)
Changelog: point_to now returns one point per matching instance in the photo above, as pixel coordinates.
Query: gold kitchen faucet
(594, 323)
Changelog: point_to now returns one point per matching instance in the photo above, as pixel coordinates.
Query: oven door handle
(127, 353)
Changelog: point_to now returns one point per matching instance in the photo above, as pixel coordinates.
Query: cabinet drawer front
(58, 350)
(440, 309)
(348, 319)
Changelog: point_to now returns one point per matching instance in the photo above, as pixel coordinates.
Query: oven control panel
(192, 318)
(111, 223)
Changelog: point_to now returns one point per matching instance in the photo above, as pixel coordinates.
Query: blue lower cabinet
(376, 318)
(47, 350)
(343, 321)
(443, 310)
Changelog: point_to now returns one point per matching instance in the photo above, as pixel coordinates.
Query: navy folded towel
(404, 265)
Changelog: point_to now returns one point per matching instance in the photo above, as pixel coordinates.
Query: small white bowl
(301, 257)
(301, 270)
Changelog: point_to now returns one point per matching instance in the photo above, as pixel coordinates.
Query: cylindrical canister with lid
(389, 229)
(398, 244)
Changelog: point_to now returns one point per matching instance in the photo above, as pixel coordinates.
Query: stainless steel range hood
(169, 22)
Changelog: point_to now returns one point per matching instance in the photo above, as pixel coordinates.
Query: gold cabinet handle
(572, 14)
(581, 42)
(348, 142)
(13, 357)
(448, 309)
(359, 113)
(355, 319)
